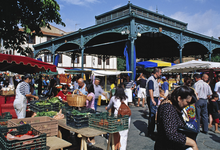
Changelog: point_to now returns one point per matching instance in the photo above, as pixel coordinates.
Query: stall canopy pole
(105, 83)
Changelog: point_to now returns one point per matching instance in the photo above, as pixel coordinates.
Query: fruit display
(3, 123)
(108, 123)
(4, 118)
(21, 138)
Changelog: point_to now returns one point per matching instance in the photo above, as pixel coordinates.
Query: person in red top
(63, 93)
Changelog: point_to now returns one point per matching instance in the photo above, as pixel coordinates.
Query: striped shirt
(203, 89)
(24, 88)
(130, 84)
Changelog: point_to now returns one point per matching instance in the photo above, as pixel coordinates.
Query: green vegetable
(75, 112)
(49, 113)
(43, 103)
(54, 100)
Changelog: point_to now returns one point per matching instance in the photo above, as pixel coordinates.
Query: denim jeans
(152, 114)
(201, 110)
(95, 104)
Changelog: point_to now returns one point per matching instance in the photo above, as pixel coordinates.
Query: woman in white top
(115, 103)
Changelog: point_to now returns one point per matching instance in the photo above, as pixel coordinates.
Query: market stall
(154, 63)
(20, 65)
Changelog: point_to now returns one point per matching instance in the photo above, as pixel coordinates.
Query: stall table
(84, 133)
(54, 143)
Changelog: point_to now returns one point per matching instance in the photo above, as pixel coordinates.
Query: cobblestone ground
(138, 128)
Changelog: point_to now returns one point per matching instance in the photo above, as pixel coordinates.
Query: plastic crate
(39, 108)
(66, 109)
(110, 124)
(43, 124)
(77, 121)
(36, 143)
(4, 118)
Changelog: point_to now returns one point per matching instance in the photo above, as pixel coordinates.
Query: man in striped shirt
(22, 93)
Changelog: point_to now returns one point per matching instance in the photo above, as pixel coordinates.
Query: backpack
(124, 110)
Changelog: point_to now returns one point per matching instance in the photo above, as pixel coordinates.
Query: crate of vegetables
(56, 104)
(108, 123)
(78, 119)
(43, 124)
(39, 106)
(4, 118)
(22, 137)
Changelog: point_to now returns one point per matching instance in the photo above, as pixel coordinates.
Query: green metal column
(210, 51)
(82, 58)
(53, 53)
(181, 53)
(132, 37)
(82, 52)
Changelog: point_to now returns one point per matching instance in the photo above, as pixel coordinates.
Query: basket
(110, 124)
(76, 100)
(4, 118)
(37, 143)
(43, 124)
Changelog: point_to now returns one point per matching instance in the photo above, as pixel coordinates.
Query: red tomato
(29, 133)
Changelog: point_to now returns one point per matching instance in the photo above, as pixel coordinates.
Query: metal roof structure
(154, 36)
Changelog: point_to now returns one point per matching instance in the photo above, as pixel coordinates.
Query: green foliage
(121, 64)
(29, 14)
(214, 58)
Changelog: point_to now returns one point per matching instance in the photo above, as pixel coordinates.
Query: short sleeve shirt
(217, 88)
(203, 89)
(98, 90)
(62, 95)
(24, 88)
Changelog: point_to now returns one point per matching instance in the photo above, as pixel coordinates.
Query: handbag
(189, 132)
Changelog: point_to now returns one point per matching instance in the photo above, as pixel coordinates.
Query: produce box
(40, 106)
(43, 124)
(36, 143)
(78, 119)
(10, 92)
(52, 104)
(4, 118)
(108, 123)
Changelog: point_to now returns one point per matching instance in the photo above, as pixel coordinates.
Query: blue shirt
(165, 86)
(151, 84)
(83, 90)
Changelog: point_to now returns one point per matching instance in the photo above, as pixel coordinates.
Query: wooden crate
(10, 92)
(42, 124)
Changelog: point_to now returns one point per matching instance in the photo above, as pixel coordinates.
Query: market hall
(145, 33)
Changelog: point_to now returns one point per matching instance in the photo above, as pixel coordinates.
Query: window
(107, 61)
(48, 58)
(10, 52)
(49, 38)
(84, 59)
(31, 55)
(60, 58)
(99, 60)
(76, 61)
(6, 52)
(31, 39)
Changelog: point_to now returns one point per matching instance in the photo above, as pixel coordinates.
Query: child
(162, 96)
(214, 111)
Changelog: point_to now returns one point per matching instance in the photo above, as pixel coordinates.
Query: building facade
(90, 61)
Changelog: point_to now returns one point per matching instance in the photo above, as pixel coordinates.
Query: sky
(202, 16)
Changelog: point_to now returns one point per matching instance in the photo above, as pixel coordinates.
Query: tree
(29, 14)
(121, 64)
